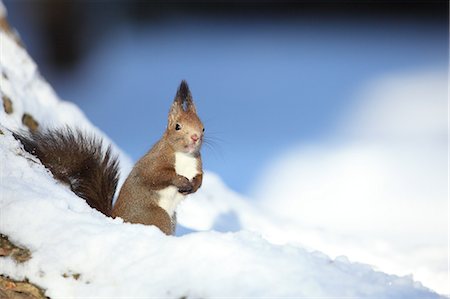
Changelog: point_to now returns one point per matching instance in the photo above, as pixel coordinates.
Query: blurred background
(329, 119)
(265, 77)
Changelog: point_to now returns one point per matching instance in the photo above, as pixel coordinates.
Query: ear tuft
(183, 93)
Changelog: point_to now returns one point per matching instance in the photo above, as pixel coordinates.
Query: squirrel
(158, 182)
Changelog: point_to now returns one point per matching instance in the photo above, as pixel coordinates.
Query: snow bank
(78, 252)
(68, 239)
(29, 93)
(378, 193)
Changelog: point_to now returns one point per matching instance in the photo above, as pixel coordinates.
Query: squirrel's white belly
(169, 197)
(186, 165)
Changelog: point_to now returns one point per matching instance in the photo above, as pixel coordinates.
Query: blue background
(262, 81)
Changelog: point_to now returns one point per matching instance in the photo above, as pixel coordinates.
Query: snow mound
(78, 252)
(380, 188)
(30, 94)
(68, 239)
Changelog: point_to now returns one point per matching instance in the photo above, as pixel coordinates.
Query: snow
(114, 259)
(31, 94)
(119, 259)
(380, 189)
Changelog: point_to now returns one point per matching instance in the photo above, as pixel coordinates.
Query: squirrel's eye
(177, 127)
(203, 129)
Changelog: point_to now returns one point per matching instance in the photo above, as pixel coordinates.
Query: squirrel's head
(184, 129)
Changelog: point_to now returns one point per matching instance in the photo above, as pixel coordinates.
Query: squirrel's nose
(194, 137)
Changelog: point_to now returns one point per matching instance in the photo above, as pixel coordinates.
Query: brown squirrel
(158, 182)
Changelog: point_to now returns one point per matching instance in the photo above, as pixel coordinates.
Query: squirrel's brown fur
(158, 181)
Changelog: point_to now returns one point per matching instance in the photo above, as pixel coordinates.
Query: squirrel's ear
(182, 102)
(183, 93)
(179, 101)
(184, 97)
(190, 106)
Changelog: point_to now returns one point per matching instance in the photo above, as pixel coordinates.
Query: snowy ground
(115, 259)
(378, 193)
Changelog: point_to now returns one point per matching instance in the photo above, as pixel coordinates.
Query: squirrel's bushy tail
(78, 160)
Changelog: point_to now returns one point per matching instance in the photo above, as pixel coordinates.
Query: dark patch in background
(68, 29)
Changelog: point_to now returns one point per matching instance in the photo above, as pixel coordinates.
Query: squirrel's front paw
(184, 185)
